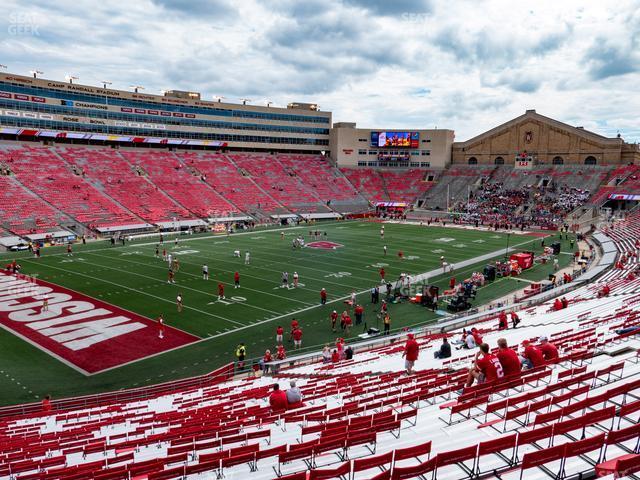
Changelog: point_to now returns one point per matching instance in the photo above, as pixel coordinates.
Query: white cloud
(466, 66)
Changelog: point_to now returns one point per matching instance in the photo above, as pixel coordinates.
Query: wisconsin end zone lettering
(86, 333)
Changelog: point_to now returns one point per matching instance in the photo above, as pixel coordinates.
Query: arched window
(590, 160)
(558, 161)
(499, 161)
(473, 161)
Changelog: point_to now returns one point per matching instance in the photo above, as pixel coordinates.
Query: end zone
(87, 334)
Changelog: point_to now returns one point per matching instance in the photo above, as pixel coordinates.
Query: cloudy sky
(465, 65)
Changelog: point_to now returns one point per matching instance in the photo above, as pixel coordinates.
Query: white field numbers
(230, 300)
(338, 275)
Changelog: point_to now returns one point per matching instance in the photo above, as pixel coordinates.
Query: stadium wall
(545, 141)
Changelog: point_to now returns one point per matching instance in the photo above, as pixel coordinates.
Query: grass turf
(131, 277)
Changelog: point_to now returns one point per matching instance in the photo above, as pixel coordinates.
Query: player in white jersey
(205, 272)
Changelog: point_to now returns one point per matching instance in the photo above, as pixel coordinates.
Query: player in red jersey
(236, 280)
(279, 335)
(334, 320)
(294, 324)
(323, 297)
(297, 338)
(382, 274)
(220, 291)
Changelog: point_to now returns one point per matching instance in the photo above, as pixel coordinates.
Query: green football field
(131, 277)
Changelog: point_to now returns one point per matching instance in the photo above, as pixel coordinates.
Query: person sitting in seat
(508, 358)
(532, 356)
(445, 349)
(278, 399)
(294, 395)
(549, 350)
(486, 367)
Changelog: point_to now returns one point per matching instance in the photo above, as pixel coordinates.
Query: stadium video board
(395, 139)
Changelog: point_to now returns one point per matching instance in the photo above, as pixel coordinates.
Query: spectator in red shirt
(297, 338)
(410, 354)
(557, 304)
(486, 368)
(515, 319)
(278, 399)
(508, 358)
(279, 335)
(323, 296)
(335, 356)
(46, 404)
(532, 355)
(476, 336)
(266, 359)
(502, 321)
(549, 350)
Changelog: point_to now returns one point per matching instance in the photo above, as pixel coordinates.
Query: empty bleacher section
(46, 174)
(181, 183)
(622, 180)
(110, 172)
(389, 185)
(270, 175)
(24, 213)
(329, 184)
(227, 179)
(453, 182)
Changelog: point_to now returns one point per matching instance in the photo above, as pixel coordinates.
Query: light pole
(35, 73)
(218, 98)
(245, 100)
(136, 88)
(71, 78)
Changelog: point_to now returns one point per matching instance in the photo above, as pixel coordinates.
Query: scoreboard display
(395, 139)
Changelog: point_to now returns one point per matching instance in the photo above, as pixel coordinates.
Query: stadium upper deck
(52, 109)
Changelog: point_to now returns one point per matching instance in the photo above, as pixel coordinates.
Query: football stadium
(194, 287)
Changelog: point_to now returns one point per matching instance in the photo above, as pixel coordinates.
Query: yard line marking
(179, 286)
(143, 293)
(213, 280)
(471, 262)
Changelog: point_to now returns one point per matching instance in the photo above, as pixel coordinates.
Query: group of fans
(493, 204)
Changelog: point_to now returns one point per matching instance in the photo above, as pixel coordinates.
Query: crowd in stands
(494, 204)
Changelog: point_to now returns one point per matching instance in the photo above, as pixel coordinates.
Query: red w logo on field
(325, 245)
